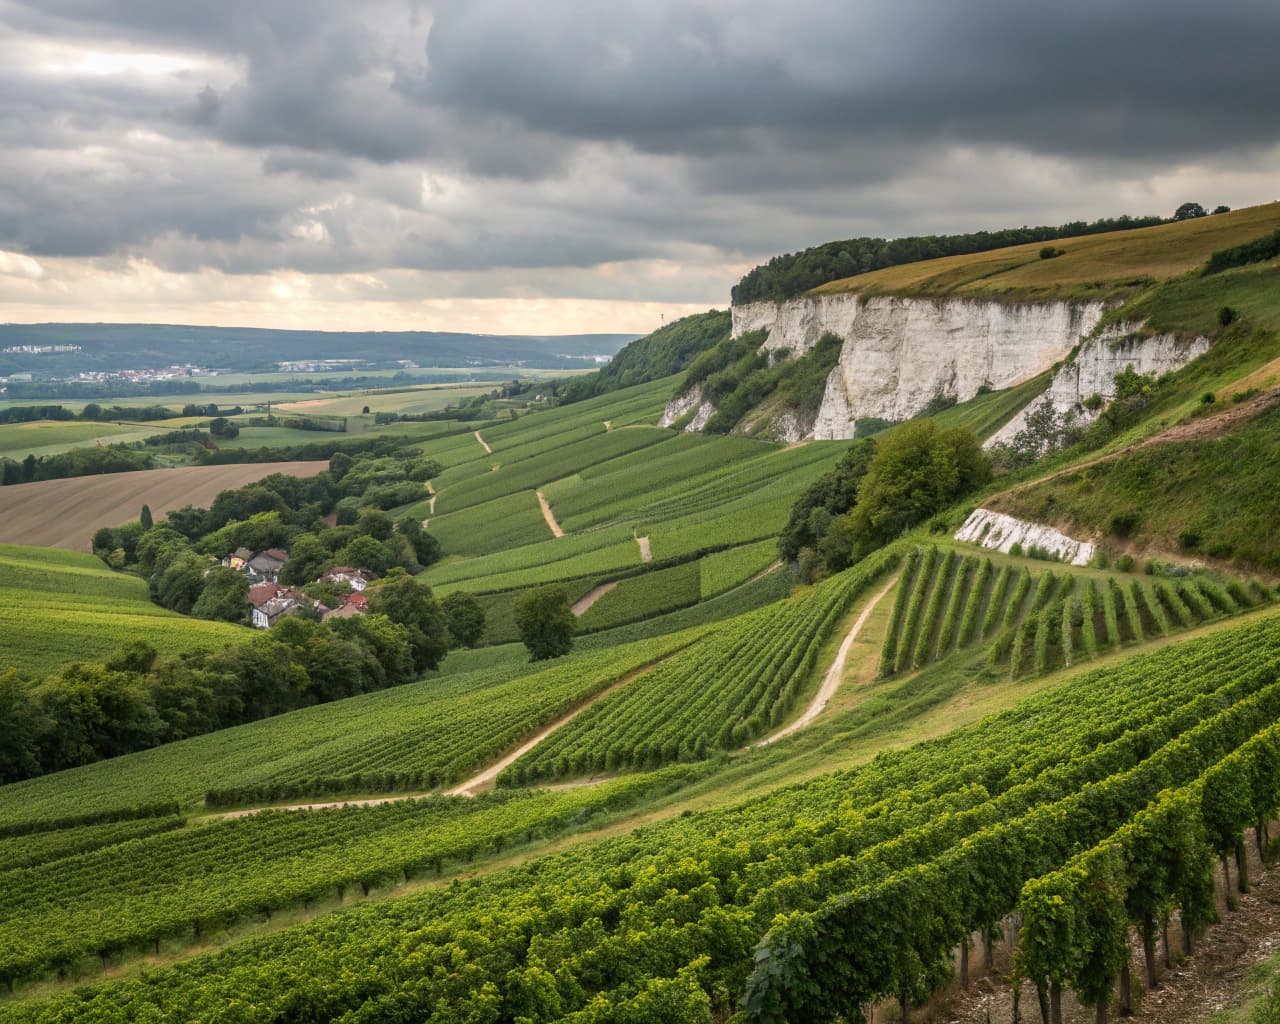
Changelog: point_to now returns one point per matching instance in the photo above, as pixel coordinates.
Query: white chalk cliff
(899, 353)
(1093, 371)
(999, 532)
(683, 405)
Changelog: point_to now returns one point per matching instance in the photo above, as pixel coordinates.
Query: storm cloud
(488, 148)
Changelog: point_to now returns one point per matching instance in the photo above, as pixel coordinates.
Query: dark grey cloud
(1091, 78)
(467, 135)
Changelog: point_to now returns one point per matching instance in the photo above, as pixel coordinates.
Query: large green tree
(465, 618)
(546, 623)
(917, 470)
(411, 604)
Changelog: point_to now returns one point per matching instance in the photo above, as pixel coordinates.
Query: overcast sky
(561, 166)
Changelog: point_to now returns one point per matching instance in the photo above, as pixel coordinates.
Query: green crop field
(1037, 790)
(52, 437)
(645, 596)
(417, 736)
(507, 522)
(60, 606)
(725, 691)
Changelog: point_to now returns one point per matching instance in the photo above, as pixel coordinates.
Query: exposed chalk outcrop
(999, 532)
(1095, 366)
(684, 405)
(899, 353)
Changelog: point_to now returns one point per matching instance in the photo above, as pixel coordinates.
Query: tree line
(136, 700)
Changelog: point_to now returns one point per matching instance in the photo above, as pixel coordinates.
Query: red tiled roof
(262, 593)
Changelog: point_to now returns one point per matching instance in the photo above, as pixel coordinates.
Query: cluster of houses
(269, 600)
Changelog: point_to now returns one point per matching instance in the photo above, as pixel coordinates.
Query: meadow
(1106, 266)
(58, 607)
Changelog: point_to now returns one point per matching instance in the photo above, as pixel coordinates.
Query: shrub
(1226, 316)
(1124, 523)
(1049, 252)
(1125, 563)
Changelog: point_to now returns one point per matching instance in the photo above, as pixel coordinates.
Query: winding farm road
(831, 681)
(548, 515)
(483, 444)
(584, 603)
(486, 779)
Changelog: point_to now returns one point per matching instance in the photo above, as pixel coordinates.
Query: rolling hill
(61, 606)
(742, 796)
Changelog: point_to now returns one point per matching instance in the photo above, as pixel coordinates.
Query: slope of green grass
(1215, 496)
(61, 606)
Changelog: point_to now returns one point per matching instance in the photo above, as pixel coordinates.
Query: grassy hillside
(688, 868)
(61, 606)
(1212, 496)
(1106, 266)
(666, 351)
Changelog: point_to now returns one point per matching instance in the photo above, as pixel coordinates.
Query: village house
(351, 606)
(237, 559)
(266, 565)
(269, 601)
(356, 579)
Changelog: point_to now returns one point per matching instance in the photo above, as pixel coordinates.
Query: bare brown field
(64, 513)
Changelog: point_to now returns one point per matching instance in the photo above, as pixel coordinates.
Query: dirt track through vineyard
(65, 513)
(831, 681)
(549, 516)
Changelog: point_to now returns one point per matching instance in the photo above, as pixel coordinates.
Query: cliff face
(901, 352)
(1094, 368)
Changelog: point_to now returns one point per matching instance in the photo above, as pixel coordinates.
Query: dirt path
(1193, 430)
(485, 780)
(831, 681)
(488, 450)
(764, 572)
(584, 603)
(549, 516)
(646, 555)
(608, 426)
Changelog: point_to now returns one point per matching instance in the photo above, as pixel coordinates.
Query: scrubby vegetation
(737, 377)
(668, 350)
(1212, 497)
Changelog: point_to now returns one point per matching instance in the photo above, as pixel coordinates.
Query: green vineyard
(680, 906)
(1035, 619)
(722, 693)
